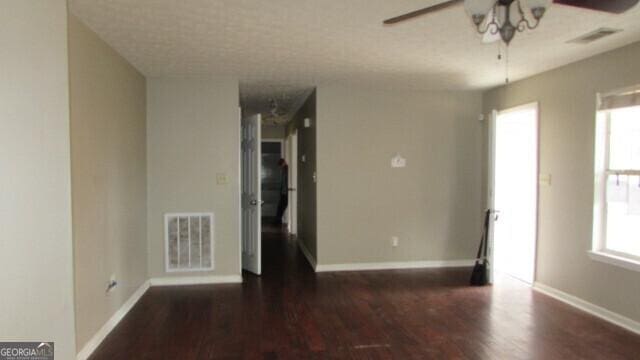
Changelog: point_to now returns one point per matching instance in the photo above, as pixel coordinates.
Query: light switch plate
(221, 179)
(544, 179)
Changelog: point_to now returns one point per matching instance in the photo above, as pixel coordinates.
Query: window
(616, 231)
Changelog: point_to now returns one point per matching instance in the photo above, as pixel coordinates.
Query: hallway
(290, 312)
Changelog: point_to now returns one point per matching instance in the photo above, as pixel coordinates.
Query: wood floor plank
(290, 312)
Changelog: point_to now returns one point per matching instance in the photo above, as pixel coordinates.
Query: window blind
(623, 98)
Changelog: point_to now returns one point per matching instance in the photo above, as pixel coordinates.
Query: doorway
(283, 127)
(513, 193)
(272, 152)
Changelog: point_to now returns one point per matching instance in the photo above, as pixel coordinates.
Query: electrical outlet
(112, 283)
(395, 241)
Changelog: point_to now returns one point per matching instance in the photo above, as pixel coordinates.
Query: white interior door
(292, 160)
(513, 193)
(251, 197)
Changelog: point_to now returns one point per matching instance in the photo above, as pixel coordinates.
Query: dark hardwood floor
(292, 313)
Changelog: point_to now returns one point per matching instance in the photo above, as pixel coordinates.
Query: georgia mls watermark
(26, 350)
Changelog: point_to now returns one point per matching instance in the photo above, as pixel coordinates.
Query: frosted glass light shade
(534, 4)
(537, 7)
(478, 7)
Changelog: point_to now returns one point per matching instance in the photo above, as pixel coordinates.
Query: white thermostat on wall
(398, 162)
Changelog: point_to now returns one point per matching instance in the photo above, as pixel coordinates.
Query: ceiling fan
(502, 19)
(276, 109)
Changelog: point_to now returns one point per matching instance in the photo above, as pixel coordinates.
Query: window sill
(615, 260)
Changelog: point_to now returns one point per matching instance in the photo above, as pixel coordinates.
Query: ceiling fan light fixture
(537, 7)
(478, 19)
(538, 12)
(507, 17)
(507, 32)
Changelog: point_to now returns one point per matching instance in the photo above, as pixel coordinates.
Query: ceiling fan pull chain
(506, 64)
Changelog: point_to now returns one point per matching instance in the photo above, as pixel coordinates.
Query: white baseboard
(196, 280)
(394, 265)
(97, 339)
(588, 307)
(307, 254)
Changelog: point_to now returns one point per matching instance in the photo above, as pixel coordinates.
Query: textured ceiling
(301, 43)
(276, 103)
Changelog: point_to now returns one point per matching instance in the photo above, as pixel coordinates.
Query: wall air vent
(189, 241)
(594, 35)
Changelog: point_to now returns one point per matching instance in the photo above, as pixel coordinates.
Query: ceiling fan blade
(612, 6)
(420, 12)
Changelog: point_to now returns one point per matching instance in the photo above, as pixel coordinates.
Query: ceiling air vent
(594, 35)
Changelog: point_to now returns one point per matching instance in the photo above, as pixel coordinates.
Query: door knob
(253, 202)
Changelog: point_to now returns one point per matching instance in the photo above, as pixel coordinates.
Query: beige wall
(108, 164)
(35, 197)
(192, 135)
(434, 205)
(567, 100)
(307, 189)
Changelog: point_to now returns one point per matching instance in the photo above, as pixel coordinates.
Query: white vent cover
(188, 241)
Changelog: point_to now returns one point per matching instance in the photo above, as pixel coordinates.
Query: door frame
(291, 155)
(275, 140)
(493, 118)
(239, 185)
(258, 197)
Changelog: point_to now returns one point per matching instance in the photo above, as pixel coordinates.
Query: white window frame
(599, 251)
